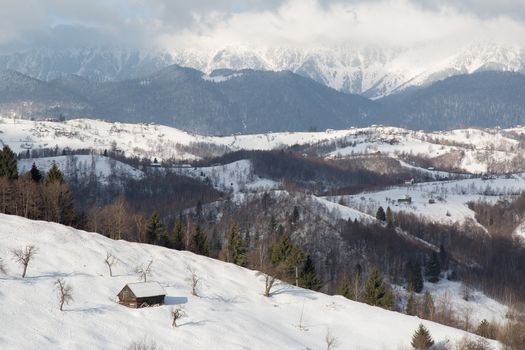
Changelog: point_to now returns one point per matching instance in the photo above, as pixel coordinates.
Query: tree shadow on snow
(90, 310)
(170, 300)
(305, 293)
(194, 323)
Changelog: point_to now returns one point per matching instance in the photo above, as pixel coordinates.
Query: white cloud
(308, 23)
(269, 23)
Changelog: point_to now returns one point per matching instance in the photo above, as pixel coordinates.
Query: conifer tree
(8, 167)
(178, 235)
(380, 214)
(428, 306)
(484, 329)
(295, 216)
(235, 248)
(344, 288)
(155, 229)
(54, 175)
(389, 217)
(411, 308)
(443, 258)
(200, 242)
(376, 292)
(414, 277)
(308, 277)
(287, 254)
(36, 175)
(433, 268)
(421, 340)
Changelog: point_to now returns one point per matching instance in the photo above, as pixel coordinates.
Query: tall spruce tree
(414, 277)
(178, 235)
(54, 175)
(308, 277)
(433, 268)
(200, 242)
(377, 292)
(8, 167)
(411, 307)
(294, 218)
(428, 306)
(36, 175)
(155, 229)
(380, 214)
(286, 254)
(235, 248)
(421, 340)
(344, 288)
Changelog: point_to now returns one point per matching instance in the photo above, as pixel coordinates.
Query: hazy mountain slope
(484, 99)
(98, 64)
(224, 102)
(230, 314)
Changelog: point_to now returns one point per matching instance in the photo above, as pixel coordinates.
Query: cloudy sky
(171, 24)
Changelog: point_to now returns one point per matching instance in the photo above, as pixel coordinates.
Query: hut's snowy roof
(146, 289)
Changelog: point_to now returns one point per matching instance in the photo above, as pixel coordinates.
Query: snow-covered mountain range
(371, 72)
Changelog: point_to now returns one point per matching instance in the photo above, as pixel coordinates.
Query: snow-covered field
(231, 312)
(234, 177)
(478, 149)
(449, 198)
(83, 166)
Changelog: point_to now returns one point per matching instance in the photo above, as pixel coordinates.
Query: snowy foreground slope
(230, 314)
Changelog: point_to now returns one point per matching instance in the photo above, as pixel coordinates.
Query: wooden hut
(142, 294)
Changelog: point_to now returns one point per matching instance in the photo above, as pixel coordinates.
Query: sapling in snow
(144, 271)
(177, 314)
(65, 292)
(194, 280)
(110, 260)
(23, 257)
(3, 268)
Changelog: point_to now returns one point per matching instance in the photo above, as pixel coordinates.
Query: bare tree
(65, 292)
(270, 281)
(3, 269)
(143, 344)
(330, 340)
(144, 271)
(194, 280)
(23, 257)
(110, 261)
(177, 314)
